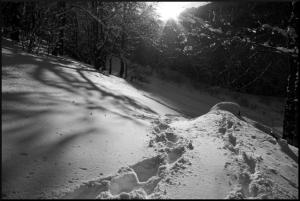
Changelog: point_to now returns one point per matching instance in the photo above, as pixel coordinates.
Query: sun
(170, 10)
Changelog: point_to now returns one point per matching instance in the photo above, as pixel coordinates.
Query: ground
(70, 132)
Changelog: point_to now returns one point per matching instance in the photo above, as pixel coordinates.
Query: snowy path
(206, 175)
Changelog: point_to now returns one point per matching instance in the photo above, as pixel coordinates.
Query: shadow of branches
(27, 109)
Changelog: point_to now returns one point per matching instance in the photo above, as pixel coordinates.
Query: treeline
(90, 31)
(246, 47)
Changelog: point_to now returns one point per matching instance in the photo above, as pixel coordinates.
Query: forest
(254, 42)
(247, 48)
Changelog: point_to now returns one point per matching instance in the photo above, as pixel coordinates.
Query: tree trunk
(122, 68)
(125, 73)
(110, 65)
(76, 35)
(103, 62)
(15, 35)
(62, 6)
(123, 41)
(1, 46)
(32, 26)
(95, 38)
(290, 122)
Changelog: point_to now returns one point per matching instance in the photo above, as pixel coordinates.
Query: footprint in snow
(141, 179)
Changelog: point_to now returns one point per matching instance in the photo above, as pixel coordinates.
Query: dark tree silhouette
(291, 113)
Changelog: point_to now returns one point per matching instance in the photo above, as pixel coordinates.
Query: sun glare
(170, 10)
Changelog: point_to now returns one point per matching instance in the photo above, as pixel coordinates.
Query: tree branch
(259, 76)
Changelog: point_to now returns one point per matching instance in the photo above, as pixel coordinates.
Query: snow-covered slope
(63, 122)
(70, 132)
(217, 155)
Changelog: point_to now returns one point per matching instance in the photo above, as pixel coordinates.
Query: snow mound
(232, 107)
(252, 152)
(258, 165)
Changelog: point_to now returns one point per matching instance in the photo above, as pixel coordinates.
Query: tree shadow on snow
(22, 114)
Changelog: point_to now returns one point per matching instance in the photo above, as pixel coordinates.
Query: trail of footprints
(248, 179)
(141, 180)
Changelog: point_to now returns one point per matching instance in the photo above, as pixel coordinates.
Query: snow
(70, 132)
(232, 107)
(216, 155)
(67, 119)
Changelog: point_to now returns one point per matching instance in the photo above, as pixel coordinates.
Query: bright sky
(171, 10)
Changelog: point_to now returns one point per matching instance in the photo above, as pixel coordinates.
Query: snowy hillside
(81, 134)
(214, 156)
